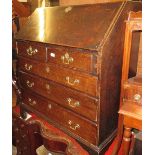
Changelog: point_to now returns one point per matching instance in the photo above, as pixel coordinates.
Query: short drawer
(73, 79)
(63, 117)
(69, 98)
(80, 60)
(132, 91)
(32, 50)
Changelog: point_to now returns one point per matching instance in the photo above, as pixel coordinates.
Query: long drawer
(74, 79)
(63, 117)
(78, 102)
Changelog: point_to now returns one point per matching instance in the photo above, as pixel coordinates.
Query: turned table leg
(126, 140)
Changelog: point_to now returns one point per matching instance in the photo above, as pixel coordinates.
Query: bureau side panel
(111, 69)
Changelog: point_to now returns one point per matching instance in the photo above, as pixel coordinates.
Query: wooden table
(132, 118)
(130, 113)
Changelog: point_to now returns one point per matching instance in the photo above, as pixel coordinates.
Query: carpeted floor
(109, 151)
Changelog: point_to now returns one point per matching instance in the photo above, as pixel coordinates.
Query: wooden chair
(130, 113)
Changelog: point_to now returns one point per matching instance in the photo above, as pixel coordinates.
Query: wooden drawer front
(32, 50)
(69, 98)
(61, 116)
(79, 81)
(133, 93)
(82, 61)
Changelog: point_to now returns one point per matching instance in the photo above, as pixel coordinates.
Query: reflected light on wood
(41, 24)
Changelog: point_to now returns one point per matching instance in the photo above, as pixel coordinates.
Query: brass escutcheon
(49, 106)
(47, 69)
(47, 86)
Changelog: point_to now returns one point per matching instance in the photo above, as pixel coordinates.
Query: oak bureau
(69, 69)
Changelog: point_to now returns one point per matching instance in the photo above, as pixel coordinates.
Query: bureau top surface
(82, 26)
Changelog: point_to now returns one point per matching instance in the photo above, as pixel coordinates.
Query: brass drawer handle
(28, 67)
(72, 125)
(30, 84)
(72, 82)
(30, 51)
(32, 102)
(73, 104)
(137, 97)
(66, 59)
